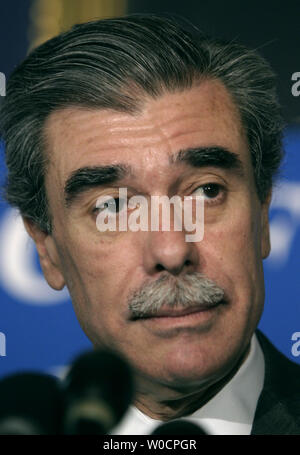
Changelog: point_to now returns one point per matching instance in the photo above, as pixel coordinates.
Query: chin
(192, 366)
(189, 374)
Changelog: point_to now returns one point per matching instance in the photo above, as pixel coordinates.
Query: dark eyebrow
(89, 177)
(209, 156)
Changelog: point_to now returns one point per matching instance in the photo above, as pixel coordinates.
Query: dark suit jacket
(278, 407)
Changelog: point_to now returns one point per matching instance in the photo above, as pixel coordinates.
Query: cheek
(237, 235)
(97, 275)
(233, 249)
(232, 256)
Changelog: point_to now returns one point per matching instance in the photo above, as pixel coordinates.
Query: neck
(167, 403)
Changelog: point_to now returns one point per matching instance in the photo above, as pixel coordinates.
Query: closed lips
(177, 312)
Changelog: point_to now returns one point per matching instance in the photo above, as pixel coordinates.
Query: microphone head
(98, 390)
(178, 427)
(30, 403)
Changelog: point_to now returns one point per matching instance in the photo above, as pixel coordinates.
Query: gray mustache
(190, 290)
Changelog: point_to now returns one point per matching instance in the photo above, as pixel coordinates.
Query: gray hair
(116, 63)
(189, 291)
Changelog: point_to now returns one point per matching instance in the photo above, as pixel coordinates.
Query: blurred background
(38, 328)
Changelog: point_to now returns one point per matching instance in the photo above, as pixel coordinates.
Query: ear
(48, 255)
(265, 227)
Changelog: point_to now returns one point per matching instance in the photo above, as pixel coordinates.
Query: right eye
(113, 205)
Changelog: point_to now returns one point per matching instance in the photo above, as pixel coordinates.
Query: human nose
(169, 251)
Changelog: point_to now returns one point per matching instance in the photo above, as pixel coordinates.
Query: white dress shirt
(229, 412)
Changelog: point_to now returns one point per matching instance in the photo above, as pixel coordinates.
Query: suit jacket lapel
(278, 408)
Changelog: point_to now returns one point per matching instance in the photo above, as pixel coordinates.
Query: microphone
(30, 404)
(98, 390)
(178, 427)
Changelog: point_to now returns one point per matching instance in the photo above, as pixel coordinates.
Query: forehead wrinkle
(163, 135)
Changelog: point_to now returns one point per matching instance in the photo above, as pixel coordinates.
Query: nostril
(160, 267)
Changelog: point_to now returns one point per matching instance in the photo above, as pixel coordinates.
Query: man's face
(103, 269)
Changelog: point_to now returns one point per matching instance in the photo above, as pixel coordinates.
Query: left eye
(209, 190)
